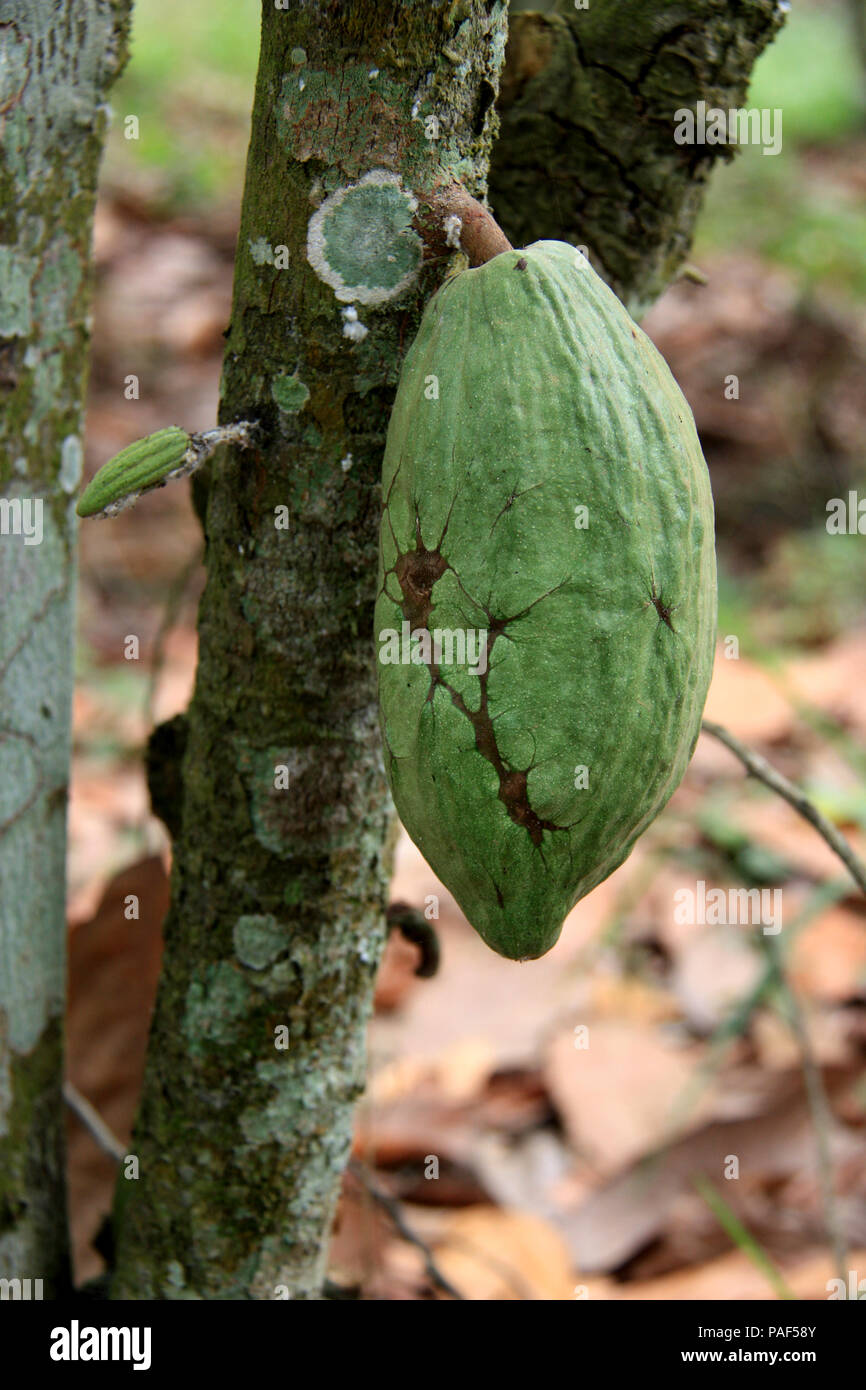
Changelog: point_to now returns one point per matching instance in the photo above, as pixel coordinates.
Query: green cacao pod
(142, 465)
(546, 601)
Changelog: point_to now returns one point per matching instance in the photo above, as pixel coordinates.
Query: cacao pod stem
(451, 219)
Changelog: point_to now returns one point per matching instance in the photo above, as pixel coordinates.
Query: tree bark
(586, 152)
(58, 59)
(277, 916)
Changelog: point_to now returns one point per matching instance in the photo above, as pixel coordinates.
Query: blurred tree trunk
(277, 917)
(586, 152)
(58, 59)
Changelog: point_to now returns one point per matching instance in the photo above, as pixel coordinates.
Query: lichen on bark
(58, 59)
(282, 856)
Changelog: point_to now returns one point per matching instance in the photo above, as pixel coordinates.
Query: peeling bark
(58, 59)
(277, 919)
(586, 152)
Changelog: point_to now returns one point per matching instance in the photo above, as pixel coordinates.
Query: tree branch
(766, 773)
(93, 1122)
(587, 151)
(392, 1208)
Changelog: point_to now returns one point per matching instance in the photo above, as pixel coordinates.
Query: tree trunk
(277, 917)
(58, 59)
(587, 151)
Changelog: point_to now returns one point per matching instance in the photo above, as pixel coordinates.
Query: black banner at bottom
(83, 1339)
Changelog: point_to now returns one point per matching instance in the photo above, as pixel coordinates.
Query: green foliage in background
(800, 208)
(190, 82)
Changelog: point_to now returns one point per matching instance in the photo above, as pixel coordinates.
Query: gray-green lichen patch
(15, 276)
(71, 460)
(46, 368)
(175, 1288)
(217, 999)
(349, 120)
(290, 393)
(295, 1107)
(258, 940)
(262, 251)
(277, 1120)
(14, 64)
(361, 241)
(279, 817)
(57, 282)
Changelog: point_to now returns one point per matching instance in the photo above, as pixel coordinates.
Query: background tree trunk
(586, 152)
(58, 59)
(277, 914)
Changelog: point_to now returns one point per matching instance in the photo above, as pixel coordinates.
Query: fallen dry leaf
(715, 968)
(617, 1097)
(632, 1209)
(490, 1254)
(114, 966)
(747, 701)
(734, 1276)
(828, 958)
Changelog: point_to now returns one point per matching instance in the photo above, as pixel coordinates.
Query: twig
(760, 768)
(819, 1108)
(392, 1207)
(93, 1122)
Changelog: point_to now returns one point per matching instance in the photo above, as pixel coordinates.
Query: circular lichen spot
(361, 242)
(258, 940)
(290, 393)
(298, 56)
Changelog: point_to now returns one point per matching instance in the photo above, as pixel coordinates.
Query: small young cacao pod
(545, 618)
(144, 464)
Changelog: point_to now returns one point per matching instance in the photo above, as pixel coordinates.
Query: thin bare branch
(766, 773)
(392, 1208)
(93, 1122)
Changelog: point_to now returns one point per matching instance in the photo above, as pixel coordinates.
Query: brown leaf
(491, 1254)
(618, 1096)
(114, 966)
(633, 1209)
